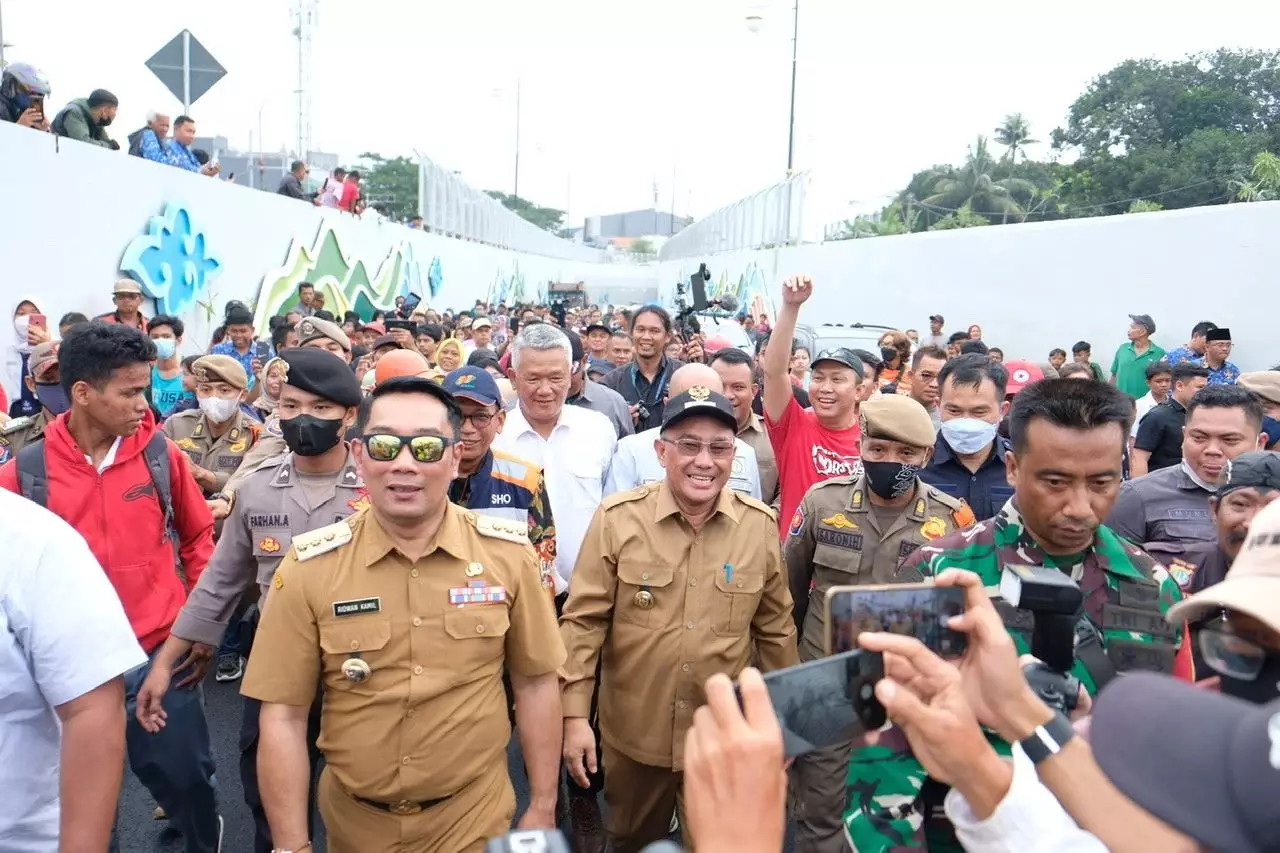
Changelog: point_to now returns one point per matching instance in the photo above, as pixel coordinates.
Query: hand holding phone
(919, 610)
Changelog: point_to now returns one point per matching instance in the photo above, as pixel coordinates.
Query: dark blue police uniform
(986, 490)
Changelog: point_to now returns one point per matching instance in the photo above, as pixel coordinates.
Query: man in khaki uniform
(41, 380)
(312, 485)
(408, 611)
(216, 436)
(676, 581)
(855, 531)
(313, 333)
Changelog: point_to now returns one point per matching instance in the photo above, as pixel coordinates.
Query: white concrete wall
(1038, 286)
(77, 217)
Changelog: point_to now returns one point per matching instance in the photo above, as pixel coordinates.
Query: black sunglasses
(384, 447)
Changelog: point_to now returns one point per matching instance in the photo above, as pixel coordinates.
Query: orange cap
(401, 362)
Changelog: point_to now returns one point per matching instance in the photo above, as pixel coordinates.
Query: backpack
(33, 479)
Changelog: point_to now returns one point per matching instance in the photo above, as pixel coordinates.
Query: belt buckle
(405, 807)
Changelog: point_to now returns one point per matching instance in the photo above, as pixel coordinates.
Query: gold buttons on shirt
(479, 629)
(417, 622)
(684, 668)
(643, 599)
(404, 760)
(693, 581)
(689, 625)
(644, 576)
(355, 644)
(417, 670)
(413, 573)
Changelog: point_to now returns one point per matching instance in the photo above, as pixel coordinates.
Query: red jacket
(118, 514)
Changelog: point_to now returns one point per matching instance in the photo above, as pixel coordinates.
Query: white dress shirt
(1028, 820)
(575, 465)
(635, 463)
(63, 633)
(1144, 404)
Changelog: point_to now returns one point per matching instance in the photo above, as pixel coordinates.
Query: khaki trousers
(819, 799)
(639, 801)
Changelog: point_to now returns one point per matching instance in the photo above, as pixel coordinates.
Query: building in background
(263, 169)
(603, 230)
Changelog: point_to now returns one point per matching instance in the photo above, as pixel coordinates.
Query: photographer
(643, 381)
(997, 805)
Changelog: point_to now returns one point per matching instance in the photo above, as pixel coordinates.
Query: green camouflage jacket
(1124, 588)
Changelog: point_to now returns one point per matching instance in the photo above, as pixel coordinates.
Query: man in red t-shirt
(811, 445)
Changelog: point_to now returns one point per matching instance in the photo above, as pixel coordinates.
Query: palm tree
(1014, 133)
(973, 186)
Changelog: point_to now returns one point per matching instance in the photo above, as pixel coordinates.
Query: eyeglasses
(480, 420)
(1230, 654)
(691, 447)
(384, 447)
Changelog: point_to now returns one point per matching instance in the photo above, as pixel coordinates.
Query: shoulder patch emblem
(840, 521)
(15, 424)
(360, 501)
(933, 528)
(501, 528)
(272, 426)
(186, 444)
(240, 445)
(270, 545)
(1182, 571)
(920, 506)
(963, 517)
(797, 522)
(321, 540)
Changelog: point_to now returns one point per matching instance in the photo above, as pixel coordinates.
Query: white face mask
(20, 325)
(1195, 478)
(218, 409)
(968, 435)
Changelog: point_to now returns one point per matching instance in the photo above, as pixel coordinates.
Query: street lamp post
(516, 189)
(754, 23)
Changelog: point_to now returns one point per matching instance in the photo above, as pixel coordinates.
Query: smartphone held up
(914, 610)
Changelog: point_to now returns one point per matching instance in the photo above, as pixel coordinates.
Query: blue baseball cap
(473, 383)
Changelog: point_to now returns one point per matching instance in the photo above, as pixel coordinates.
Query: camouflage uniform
(1124, 588)
(17, 433)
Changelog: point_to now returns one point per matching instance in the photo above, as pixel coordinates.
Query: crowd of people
(411, 533)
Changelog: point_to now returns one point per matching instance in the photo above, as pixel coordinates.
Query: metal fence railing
(771, 217)
(450, 206)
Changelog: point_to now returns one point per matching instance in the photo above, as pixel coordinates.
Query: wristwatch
(1047, 740)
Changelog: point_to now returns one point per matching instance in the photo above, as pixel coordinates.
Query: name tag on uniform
(906, 549)
(356, 606)
(1121, 618)
(839, 539)
(268, 519)
(231, 462)
(477, 592)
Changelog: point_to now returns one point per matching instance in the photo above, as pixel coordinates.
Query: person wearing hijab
(269, 396)
(449, 355)
(26, 336)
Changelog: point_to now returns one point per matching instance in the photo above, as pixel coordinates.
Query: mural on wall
(513, 289)
(344, 280)
(172, 261)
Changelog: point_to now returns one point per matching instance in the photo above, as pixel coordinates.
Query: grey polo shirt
(1163, 506)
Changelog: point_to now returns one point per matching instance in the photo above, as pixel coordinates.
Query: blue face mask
(1271, 427)
(52, 397)
(968, 435)
(165, 348)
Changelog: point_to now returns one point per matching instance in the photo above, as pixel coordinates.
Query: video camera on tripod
(1054, 601)
(686, 320)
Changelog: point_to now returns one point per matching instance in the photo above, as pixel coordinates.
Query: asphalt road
(139, 833)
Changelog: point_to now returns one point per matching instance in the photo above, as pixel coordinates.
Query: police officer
(1068, 440)
(409, 612)
(676, 581)
(42, 381)
(216, 436)
(312, 485)
(854, 531)
(313, 334)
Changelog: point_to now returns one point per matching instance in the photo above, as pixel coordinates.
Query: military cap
(1264, 383)
(313, 329)
(897, 418)
(699, 401)
(126, 285)
(42, 358)
(321, 373)
(221, 368)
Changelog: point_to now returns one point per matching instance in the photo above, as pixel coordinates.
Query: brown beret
(1264, 383)
(312, 329)
(220, 368)
(897, 418)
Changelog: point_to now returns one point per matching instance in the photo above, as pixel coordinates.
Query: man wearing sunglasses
(676, 581)
(409, 611)
(290, 499)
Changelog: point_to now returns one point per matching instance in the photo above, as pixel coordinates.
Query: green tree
(1264, 181)
(975, 186)
(962, 218)
(546, 218)
(1014, 133)
(390, 184)
(888, 222)
(641, 246)
(1144, 206)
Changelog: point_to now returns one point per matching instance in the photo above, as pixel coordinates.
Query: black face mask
(888, 354)
(307, 435)
(1259, 691)
(890, 480)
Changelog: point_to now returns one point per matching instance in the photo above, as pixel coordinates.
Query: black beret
(321, 373)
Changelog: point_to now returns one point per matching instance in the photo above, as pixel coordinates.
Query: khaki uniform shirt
(666, 608)
(270, 445)
(220, 454)
(836, 539)
(17, 433)
(755, 435)
(431, 716)
(269, 510)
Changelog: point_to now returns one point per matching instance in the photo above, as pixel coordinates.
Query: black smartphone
(916, 610)
(826, 701)
(262, 351)
(407, 325)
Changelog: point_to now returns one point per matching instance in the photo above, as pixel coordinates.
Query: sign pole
(186, 72)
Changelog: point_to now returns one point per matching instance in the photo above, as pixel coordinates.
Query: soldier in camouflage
(1068, 440)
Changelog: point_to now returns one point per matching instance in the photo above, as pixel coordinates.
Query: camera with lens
(685, 320)
(1054, 602)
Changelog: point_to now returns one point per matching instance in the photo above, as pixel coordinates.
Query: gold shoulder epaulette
(500, 528)
(322, 540)
(755, 503)
(638, 493)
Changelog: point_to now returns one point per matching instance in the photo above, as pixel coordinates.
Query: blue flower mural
(171, 261)
(435, 277)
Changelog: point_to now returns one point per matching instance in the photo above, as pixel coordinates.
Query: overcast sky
(618, 94)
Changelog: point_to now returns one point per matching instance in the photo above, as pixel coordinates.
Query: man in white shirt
(64, 646)
(635, 462)
(574, 446)
(1159, 378)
